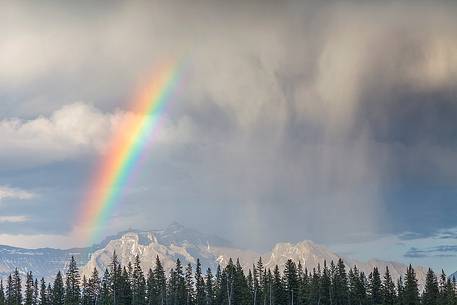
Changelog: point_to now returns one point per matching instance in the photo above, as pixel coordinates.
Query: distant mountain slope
(43, 262)
(176, 242)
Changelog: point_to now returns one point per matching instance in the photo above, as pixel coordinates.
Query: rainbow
(124, 151)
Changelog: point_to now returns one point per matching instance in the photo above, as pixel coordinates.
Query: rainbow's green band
(116, 167)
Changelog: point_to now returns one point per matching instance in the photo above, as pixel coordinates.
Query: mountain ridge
(307, 252)
(177, 241)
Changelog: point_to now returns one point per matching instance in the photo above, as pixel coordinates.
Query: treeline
(325, 285)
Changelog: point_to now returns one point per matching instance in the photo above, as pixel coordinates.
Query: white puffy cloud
(14, 219)
(69, 132)
(7, 192)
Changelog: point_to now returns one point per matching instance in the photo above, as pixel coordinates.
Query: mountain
(175, 242)
(188, 245)
(43, 262)
(311, 254)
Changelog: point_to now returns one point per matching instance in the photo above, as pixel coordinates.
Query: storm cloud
(293, 120)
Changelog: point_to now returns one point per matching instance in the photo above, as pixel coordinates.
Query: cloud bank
(70, 132)
(300, 120)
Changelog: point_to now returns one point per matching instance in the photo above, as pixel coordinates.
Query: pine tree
(49, 293)
(226, 293)
(374, 286)
(17, 288)
(172, 285)
(150, 287)
(189, 284)
(115, 273)
(29, 289)
(340, 284)
(94, 288)
(333, 281)
(160, 283)
(200, 297)
(138, 283)
(241, 290)
(177, 286)
(43, 293)
(36, 293)
(353, 278)
(106, 297)
(357, 287)
(156, 285)
(268, 290)
(58, 290)
(325, 287)
(363, 288)
(451, 291)
(291, 281)
(302, 284)
(260, 281)
(449, 297)
(252, 292)
(431, 290)
(255, 286)
(279, 294)
(72, 290)
(388, 289)
(314, 287)
(10, 290)
(400, 291)
(209, 287)
(125, 291)
(2, 294)
(181, 291)
(411, 291)
(85, 296)
(217, 287)
(442, 298)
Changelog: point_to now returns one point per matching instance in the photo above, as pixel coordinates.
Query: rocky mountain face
(176, 242)
(311, 254)
(170, 244)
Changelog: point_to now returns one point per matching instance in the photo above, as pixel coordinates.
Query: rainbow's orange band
(124, 152)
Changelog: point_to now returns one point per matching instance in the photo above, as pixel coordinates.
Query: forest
(328, 284)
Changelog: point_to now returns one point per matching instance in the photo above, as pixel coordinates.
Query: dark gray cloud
(447, 235)
(295, 120)
(437, 251)
(444, 234)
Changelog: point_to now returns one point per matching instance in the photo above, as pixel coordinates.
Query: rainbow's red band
(124, 152)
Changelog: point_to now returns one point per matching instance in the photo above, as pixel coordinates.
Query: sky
(293, 120)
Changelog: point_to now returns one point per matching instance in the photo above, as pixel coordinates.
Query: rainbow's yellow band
(124, 151)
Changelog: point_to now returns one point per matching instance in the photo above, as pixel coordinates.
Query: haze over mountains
(172, 243)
